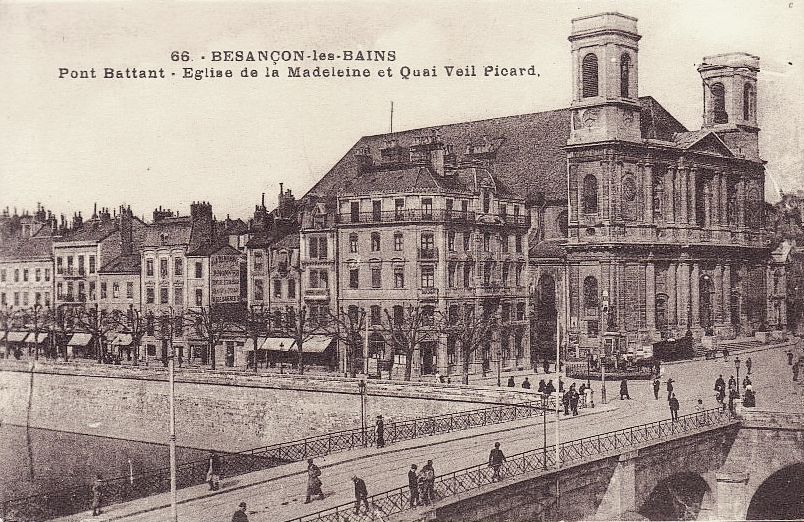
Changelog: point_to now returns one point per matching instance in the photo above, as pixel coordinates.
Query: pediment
(711, 144)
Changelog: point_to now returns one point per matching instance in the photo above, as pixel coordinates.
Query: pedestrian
(749, 399)
(574, 397)
(214, 471)
(699, 407)
(97, 495)
(550, 389)
(496, 459)
(720, 384)
(669, 388)
(732, 396)
(565, 400)
(526, 384)
(673, 407)
(429, 475)
(421, 482)
(413, 486)
(789, 357)
(560, 385)
(732, 383)
(582, 389)
(313, 482)
(380, 430)
(796, 369)
(511, 382)
(546, 365)
(542, 386)
(725, 353)
(361, 494)
(658, 367)
(240, 514)
(748, 364)
(746, 381)
(438, 376)
(656, 385)
(624, 389)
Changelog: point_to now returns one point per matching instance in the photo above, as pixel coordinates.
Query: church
(638, 229)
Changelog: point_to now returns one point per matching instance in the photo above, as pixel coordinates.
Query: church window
(563, 226)
(590, 298)
(625, 65)
(748, 101)
(589, 73)
(719, 103)
(590, 194)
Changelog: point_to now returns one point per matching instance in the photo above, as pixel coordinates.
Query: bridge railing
(74, 499)
(397, 500)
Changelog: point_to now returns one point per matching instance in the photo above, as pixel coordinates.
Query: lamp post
(172, 394)
(737, 365)
(588, 369)
(603, 376)
(545, 404)
(361, 385)
(499, 364)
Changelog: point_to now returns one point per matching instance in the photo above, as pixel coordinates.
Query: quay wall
(225, 411)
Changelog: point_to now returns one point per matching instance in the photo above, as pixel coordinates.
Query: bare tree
(470, 331)
(347, 326)
(212, 323)
(296, 324)
(408, 326)
(133, 322)
(37, 318)
(9, 319)
(99, 323)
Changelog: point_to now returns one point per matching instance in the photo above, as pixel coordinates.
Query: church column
(692, 179)
(650, 296)
(695, 298)
(669, 194)
(724, 199)
(672, 292)
(715, 211)
(741, 202)
(718, 297)
(683, 283)
(727, 294)
(683, 186)
(648, 181)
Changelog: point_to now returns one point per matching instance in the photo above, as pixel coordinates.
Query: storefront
(79, 345)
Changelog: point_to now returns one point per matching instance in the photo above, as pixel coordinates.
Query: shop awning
(40, 337)
(315, 344)
(122, 339)
(80, 339)
(16, 337)
(277, 344)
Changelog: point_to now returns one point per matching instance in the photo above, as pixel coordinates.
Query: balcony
(430, 292)
(407, 215)
(316, 293)
(428, 254)
(516, 220)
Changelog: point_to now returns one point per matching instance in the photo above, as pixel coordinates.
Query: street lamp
(499, 364)
(361, 385)
(737, 365)
(588, 369)
(168, 340)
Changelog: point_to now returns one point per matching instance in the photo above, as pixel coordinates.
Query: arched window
(719, 103)
(625, 66)
(748, 101)
(589, 74)
(590, 296)
(590, 194)
(376, 345)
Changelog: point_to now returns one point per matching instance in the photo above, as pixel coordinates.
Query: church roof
(529, 158)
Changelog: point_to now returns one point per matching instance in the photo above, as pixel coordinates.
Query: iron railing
(397, 500)
(67, 501)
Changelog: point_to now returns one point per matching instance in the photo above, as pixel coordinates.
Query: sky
(69, 143)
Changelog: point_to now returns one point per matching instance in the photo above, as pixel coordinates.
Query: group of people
(421, 484)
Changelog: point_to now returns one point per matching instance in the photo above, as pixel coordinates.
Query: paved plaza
(279, 493)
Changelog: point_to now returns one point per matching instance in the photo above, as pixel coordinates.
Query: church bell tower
(605, 64)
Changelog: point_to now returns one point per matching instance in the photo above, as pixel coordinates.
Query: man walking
(214, 472)
(673, 407)
(573, 399)
(549, 389)
(656, 385)
(669, 388)
(565, 400)
(240, 514)
(526, 384)
(496, 459)
(429, 476)
(361, 494)
(97, 495)
(624, 389)
(511, 382)
(313, 482)
(413, 486)
(732, 383)
(748, 364)
(380, 432)
(421, 482)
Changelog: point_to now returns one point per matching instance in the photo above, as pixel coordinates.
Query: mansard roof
(172, 231)
(123, 264)
(94, 230)
(528, 157)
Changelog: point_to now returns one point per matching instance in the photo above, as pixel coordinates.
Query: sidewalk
(296, 472)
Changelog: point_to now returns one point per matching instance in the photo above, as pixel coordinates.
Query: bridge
(631, 461)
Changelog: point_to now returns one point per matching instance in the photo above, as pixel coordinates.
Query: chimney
(160, 214)
(126, 232)
(203, 223)
(262, 204)
(77, 220)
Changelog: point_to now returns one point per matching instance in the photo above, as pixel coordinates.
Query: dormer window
(589, 76)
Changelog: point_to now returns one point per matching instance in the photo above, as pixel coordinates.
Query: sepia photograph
(401, 261)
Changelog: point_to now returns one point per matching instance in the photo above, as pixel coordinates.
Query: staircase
(740, 344)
